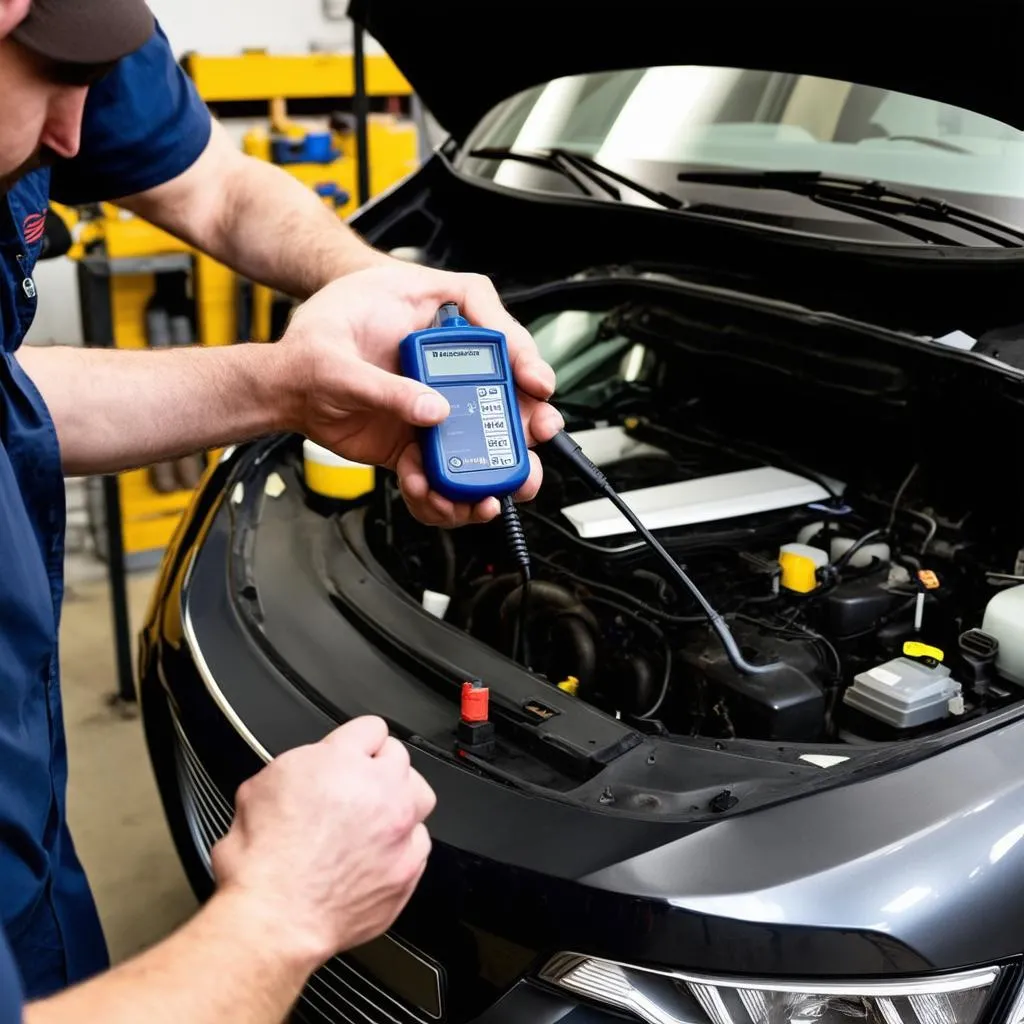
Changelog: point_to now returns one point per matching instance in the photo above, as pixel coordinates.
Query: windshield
(653, 123)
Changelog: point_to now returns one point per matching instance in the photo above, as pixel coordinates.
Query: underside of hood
(464, 56)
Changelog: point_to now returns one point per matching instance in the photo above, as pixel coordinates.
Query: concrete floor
(113, 806)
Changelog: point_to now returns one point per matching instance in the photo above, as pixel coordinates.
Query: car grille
(208, 812)
(337, 992)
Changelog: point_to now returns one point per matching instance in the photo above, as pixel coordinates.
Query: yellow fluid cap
(570, 685)
(334, 476)
(916, 649)
(798, 572)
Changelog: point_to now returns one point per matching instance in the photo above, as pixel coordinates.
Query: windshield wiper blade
(589, 164)
(540, 159)
(572, 165)
(832, 189)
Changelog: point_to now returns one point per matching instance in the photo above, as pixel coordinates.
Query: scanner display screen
(459, 360)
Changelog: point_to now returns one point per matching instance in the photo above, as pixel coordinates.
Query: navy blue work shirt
(10, 986)
(143, 125)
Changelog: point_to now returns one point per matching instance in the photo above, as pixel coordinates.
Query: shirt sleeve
(11, 1002)
(144, 124)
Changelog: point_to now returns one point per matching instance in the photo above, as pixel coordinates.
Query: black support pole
(118, 589)
(361, 104)
(94, 279)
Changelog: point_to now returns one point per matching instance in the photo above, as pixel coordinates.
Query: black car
(783, 291)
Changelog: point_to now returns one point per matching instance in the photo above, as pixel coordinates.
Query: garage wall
(227, 26)
(221, 26)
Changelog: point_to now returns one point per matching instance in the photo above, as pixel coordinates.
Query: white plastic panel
(705, 500)
(609, 444)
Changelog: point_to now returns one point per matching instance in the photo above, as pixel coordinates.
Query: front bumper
(341, 992)
(497, 901)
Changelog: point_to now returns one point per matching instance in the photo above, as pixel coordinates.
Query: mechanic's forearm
(224, 965)
(257, 219)
(117, 410)
(277, 231)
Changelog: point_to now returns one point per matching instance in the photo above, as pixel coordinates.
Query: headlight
(670, 997)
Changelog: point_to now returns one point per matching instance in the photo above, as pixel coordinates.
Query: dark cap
(85, 31)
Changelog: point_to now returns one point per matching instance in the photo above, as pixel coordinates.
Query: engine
(869, 607)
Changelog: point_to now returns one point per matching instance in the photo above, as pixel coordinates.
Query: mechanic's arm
(225, 964)
(327, 846)
(118, 410)
(332, 377)
(257, 219)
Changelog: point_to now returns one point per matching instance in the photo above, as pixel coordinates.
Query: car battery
(904, 693)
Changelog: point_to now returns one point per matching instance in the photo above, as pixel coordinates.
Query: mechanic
(329, 840)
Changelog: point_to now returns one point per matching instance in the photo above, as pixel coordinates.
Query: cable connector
(569, 449)
(449, 315)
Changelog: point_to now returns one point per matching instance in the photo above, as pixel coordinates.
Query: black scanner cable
(517, 543)
(564, 444)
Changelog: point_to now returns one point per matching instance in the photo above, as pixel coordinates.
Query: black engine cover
(788, 704)
(856, 606)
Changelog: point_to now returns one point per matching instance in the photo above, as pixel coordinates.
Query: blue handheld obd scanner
(479, 451)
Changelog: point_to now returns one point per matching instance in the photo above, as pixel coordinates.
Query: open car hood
(464, 56)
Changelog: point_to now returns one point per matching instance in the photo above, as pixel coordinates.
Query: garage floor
(115, 812)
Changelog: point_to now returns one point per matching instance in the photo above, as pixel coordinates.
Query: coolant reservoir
(800, 564)
(861, 558)
(332, 476)
(1004, 619)
(809, 533)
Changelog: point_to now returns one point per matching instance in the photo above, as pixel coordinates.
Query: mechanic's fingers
(410, 889)
(529, 490)
(532, 374)
(368, 734)
(542, 421)
(484, 511)
(419, 844)
(395, 754)
(426, 511)
(429, 507)
(411, 477)
(450, 515)
(416, 854)
(370, 387)
(424, 799)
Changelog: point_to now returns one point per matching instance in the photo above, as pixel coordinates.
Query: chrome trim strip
(1016, 1012)
(305, 998)
(323, 979)
(563, 963)
(207, 813)
(333, 965)
(211, 684)
(199, 839)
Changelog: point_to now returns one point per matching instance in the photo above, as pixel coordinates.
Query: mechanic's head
(51, 52)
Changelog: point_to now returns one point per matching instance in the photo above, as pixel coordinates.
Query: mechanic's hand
(328, 841)
(343, 346)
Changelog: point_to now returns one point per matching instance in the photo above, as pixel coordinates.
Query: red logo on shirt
(34, 227)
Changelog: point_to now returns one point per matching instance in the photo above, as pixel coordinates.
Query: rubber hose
(550, 601)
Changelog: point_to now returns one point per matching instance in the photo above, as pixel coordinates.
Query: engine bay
(888, 618)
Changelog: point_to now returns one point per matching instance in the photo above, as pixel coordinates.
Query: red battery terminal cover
(475, 699)
(475, 731)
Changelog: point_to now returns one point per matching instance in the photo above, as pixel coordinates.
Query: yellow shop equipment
(140, 287)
